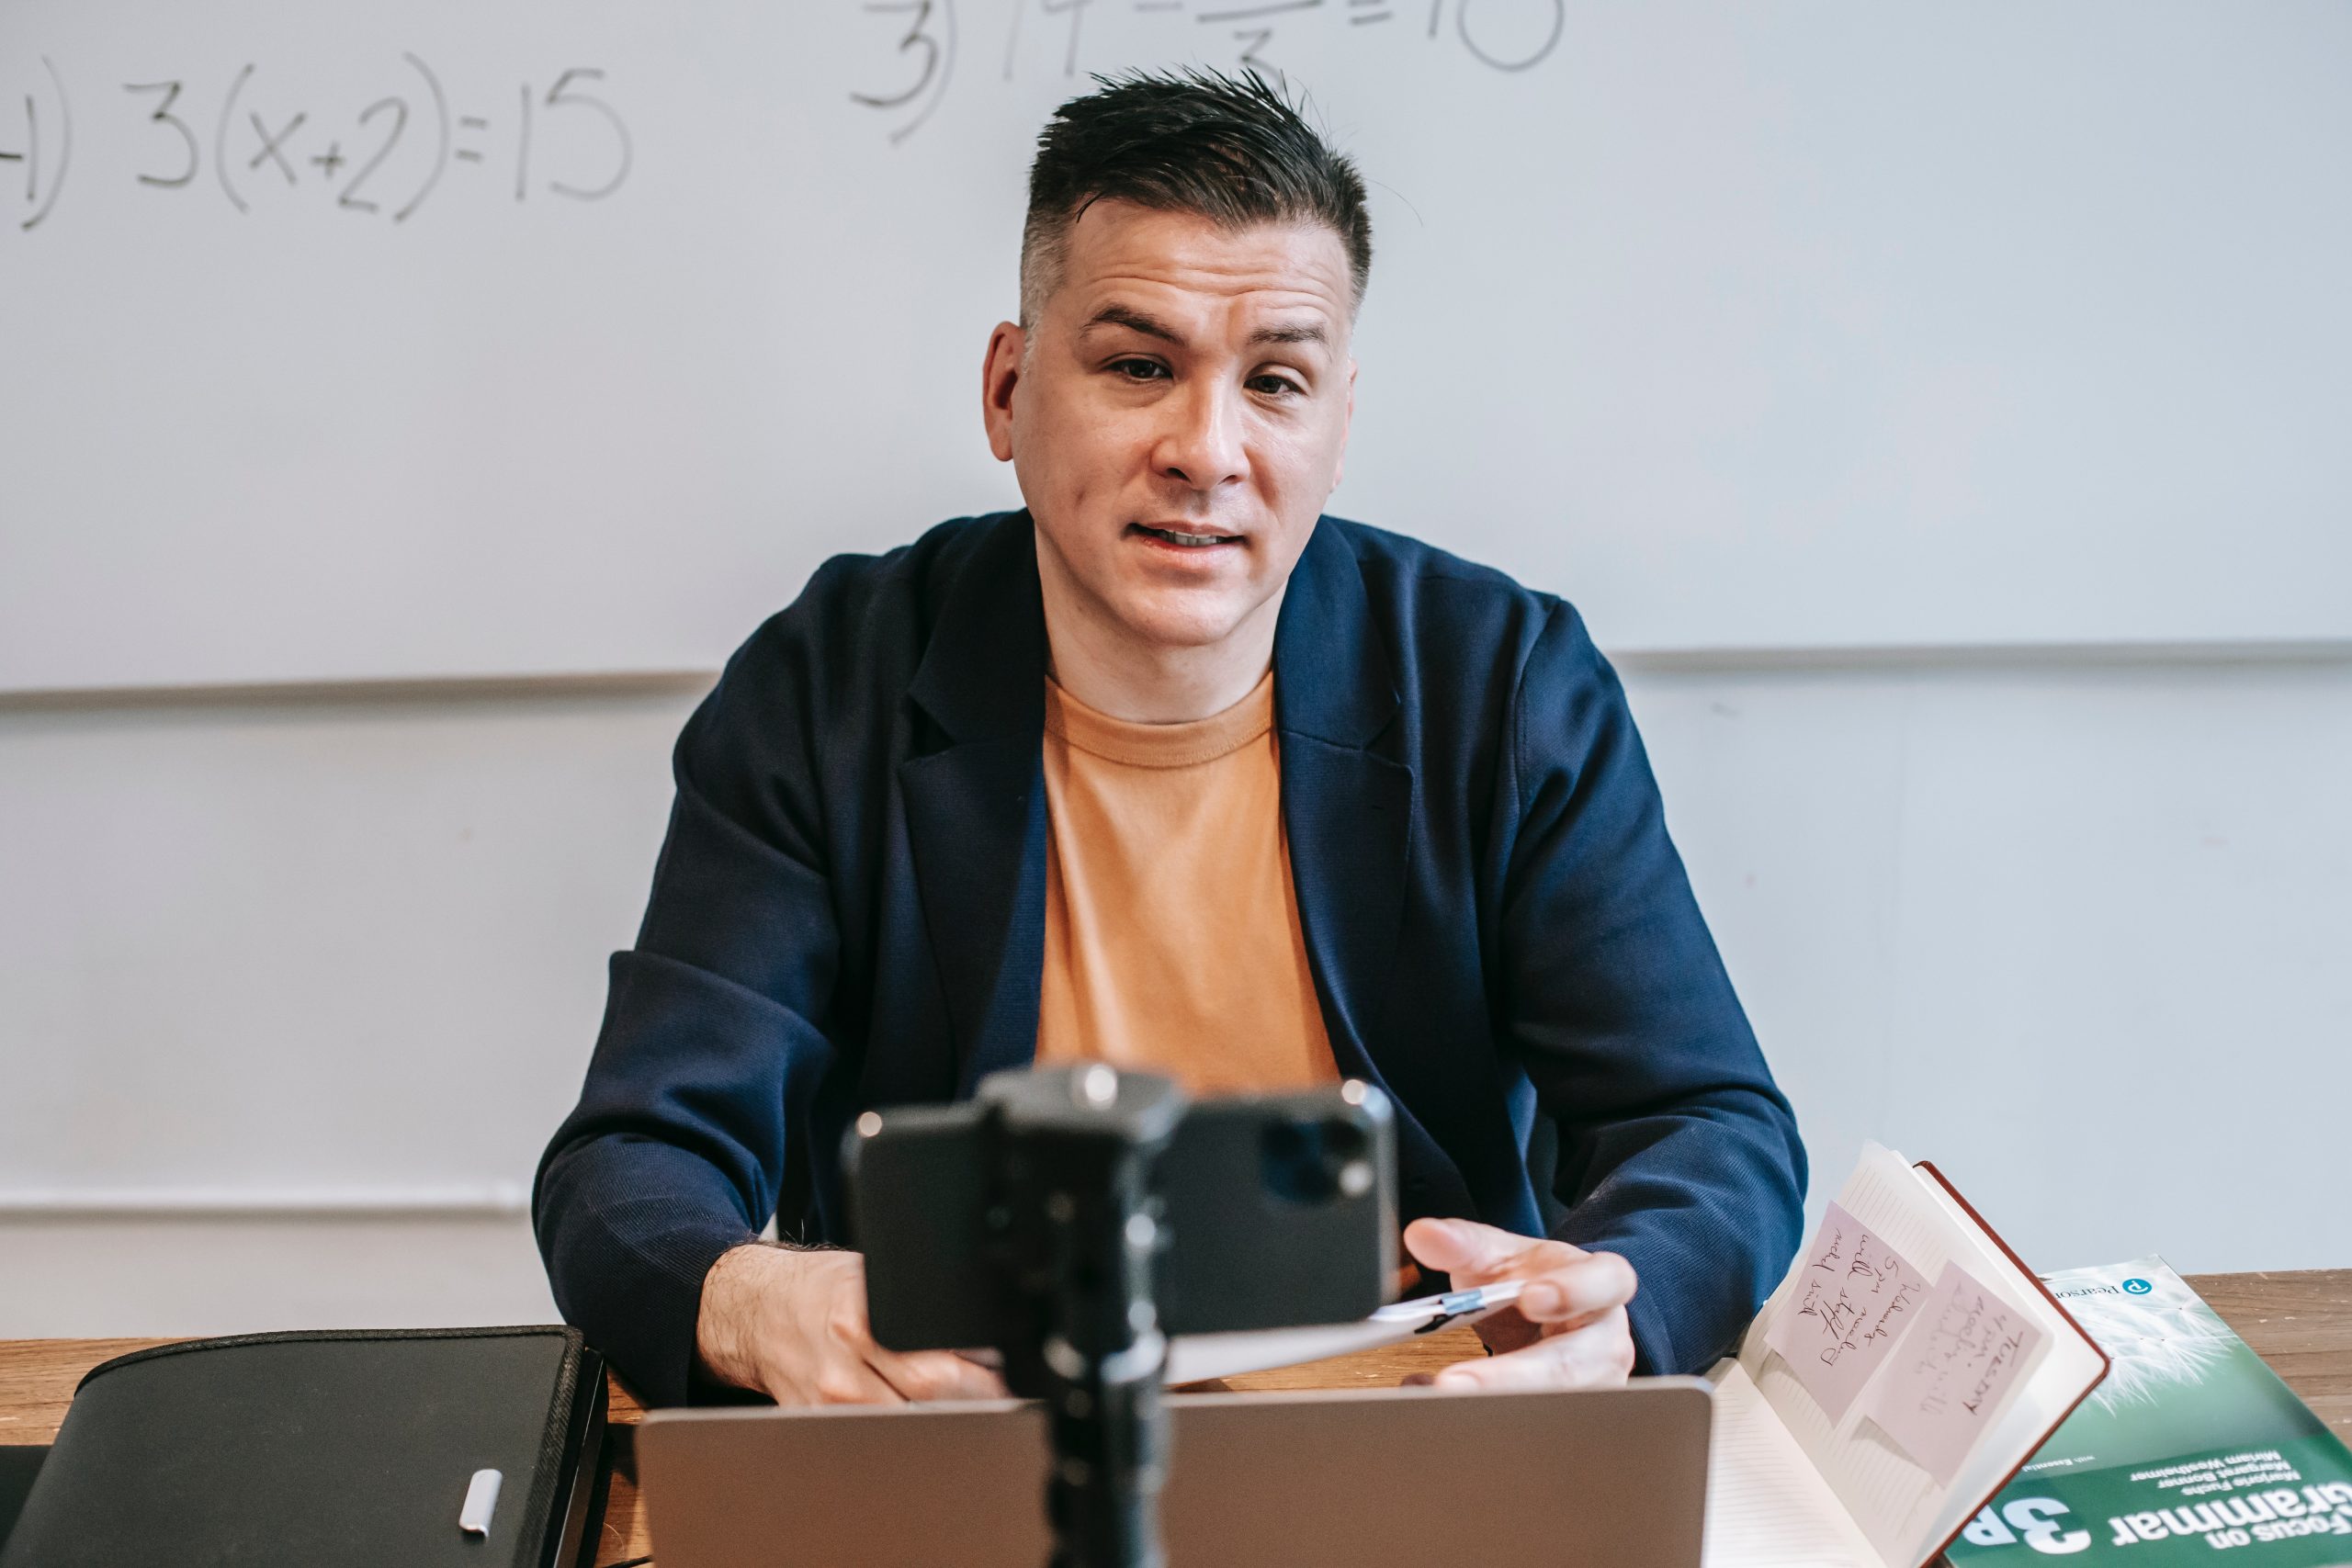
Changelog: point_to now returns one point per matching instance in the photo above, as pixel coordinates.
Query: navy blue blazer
(849, 911)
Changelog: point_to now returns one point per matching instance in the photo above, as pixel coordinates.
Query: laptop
(1367, 1478)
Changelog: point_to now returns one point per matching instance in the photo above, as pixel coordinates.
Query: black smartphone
(1272, 1212)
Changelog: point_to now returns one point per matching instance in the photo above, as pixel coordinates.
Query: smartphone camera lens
(1314, 1161)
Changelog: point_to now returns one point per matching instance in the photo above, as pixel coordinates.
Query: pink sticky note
(1855, 1295)
(1952, 1374)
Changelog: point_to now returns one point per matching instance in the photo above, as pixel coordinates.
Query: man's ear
(999, 373)
(1346, 423)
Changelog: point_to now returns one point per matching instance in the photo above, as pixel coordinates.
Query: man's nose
(1201, 444)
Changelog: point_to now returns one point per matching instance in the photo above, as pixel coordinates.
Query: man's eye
(1140, 369)
(1278, 386)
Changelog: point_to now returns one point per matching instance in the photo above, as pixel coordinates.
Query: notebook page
(1892, 1500)
(2068, 1368)
(1766, 1506)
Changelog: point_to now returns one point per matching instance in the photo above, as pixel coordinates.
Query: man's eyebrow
(1135, 320)
(1304, 332)
(1149, 325)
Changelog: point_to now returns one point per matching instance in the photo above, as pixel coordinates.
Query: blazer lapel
(1347, 808)
(976, 801)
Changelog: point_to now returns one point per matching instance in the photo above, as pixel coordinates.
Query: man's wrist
(726, 1324)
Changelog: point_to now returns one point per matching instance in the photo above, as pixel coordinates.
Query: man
(1169, 770)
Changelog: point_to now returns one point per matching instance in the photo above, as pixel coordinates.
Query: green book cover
(2190, 1448)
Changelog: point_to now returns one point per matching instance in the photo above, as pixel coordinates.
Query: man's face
(1178, 417)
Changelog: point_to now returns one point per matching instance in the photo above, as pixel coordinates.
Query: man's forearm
(1705, 1200)
(630, 1230)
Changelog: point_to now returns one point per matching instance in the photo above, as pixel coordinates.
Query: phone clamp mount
(1074, 1218)
(1079, 1226)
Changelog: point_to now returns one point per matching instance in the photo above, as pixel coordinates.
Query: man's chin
(1180, 622)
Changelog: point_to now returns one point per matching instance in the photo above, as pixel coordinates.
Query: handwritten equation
(916, 43)
(252, 135)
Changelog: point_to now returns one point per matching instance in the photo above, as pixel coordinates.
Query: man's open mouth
(1189, 540)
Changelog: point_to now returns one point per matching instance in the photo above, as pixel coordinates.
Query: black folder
(19, 1464)
(310, 1450)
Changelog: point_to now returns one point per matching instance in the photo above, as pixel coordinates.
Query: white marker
(481, 1501)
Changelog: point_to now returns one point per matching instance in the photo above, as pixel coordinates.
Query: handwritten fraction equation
(916, 41)
(253, 136)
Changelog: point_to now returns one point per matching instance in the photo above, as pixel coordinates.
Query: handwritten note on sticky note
(1952, 1374)
(1854, 1297)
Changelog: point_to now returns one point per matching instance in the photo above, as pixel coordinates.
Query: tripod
(1076, 1228)
(1074, 1217)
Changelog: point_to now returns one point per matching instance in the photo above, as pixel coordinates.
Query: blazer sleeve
(1676, 1149)
(711, 1050)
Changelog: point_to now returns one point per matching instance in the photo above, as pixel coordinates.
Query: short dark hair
(1232, 149)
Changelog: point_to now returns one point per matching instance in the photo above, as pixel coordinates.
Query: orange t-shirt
(1173, 942)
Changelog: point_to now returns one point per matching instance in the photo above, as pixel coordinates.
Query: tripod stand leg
(1082, 1231)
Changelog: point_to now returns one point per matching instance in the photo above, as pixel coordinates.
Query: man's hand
(792, 1324)
(1568, 1328)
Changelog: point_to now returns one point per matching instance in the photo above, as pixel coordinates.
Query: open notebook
(1905, 1370)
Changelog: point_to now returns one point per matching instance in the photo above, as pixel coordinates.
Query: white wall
(2077, 931)
(334, 956)
(2075, 926)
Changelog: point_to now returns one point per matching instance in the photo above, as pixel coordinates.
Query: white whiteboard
(1744, 325)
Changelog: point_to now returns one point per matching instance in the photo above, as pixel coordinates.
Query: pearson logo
(2133, 1285)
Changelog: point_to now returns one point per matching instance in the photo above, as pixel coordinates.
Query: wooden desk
(2300, 1323)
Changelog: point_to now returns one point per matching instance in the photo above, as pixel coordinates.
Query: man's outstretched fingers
(1597, 1356)
(1472, 1253)
(1578, 1291)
